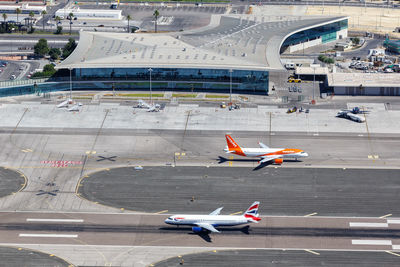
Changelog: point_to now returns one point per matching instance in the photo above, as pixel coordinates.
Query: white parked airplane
(209, 222)
(350, 116)
(150, 107)
(75, 107)
(65, 103)
(267, 154)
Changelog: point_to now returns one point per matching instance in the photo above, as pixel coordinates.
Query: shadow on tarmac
(205, 234)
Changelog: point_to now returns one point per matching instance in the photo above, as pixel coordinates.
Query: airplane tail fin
(232, 145)
(252, 213)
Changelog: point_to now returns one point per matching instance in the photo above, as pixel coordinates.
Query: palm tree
(156, 14)
(128, 18)
(18, 11)
(4, 17)
(70, 21)
(43, 13)
(31, 15)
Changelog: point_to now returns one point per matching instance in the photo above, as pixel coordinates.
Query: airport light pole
(230, 86)
(70, 83)
(151, 100)
(313, 86)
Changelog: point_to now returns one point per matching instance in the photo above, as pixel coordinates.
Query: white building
(90, 13)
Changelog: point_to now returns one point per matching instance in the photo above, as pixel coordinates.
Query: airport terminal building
(241, 52)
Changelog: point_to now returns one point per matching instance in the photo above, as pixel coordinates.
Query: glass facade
(327, 32)
(179, 78)
(392, 46)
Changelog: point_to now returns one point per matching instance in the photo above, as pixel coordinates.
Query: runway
(150, 230)
(281, 191)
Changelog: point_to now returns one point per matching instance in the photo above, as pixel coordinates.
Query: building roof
(364, 79)
(229, 42)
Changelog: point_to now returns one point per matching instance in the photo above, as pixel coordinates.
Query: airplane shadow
(205, 234)
(258, 167)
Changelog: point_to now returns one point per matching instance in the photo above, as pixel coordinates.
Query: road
(149, 229)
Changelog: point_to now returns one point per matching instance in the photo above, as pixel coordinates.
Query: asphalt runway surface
(10, 181)
(281, 191)
(19, 257)
(239, 258)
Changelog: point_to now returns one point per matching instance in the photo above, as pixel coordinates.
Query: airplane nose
(305, 154)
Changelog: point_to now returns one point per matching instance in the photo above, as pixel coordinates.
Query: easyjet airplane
(267, 154)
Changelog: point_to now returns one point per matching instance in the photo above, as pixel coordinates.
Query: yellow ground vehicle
(294, 80)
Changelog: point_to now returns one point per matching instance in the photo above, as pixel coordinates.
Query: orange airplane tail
(232, 145)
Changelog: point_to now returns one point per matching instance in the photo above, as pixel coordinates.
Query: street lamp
(150, 70)
(70, 83)
(230, 86)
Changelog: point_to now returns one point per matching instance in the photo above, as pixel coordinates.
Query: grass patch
(184, 95)
(141, 95)
(217, 96)
(81, 97)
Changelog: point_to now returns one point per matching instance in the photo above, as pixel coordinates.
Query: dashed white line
(48, 235)
(54, 220)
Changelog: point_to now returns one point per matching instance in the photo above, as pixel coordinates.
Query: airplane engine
(197, 229)
(278, 161)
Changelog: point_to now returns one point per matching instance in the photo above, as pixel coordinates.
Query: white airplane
(209, 222)
(65, 103)
(267, 154)
(75, 107)
(150, 107)
(350, 116)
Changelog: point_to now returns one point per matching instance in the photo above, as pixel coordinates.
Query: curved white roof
(229, 42)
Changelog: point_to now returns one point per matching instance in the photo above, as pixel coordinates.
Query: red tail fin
(232, 145)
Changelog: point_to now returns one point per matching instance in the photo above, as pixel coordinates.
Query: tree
(59, 30)
(356, 40)
(41, 48)
(70, 21)
(18, 11)
(31, 15)
(4, 17)
(48, 71)
(54, 53)
(69, 47)
(156, 14)
(43, 13)
(128, 18)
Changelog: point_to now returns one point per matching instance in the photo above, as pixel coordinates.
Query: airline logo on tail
(252, 212)
(233, 147)
(231, 142)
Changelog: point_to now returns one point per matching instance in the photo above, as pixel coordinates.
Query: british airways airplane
(209, 222)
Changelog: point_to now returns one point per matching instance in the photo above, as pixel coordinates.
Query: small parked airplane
(267, 154)
(65, 103)
(209, 222)
(350, 116)
(150, 107)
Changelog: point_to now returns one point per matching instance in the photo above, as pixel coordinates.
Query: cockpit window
(170, 218)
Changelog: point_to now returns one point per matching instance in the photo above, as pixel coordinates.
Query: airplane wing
(217, 211)
(269, 158)
(262, 145)
(208, 227)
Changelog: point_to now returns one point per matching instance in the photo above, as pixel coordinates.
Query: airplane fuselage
(215, 220)
(262, 152)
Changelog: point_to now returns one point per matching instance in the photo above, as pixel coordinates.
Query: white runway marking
(372, 242)
(47, 235)
(362, 224)
(54, 220)
(393, 221)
